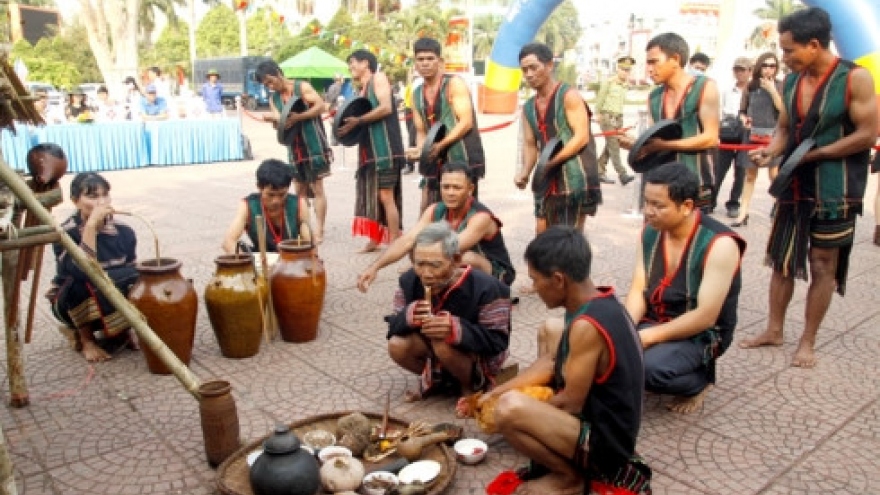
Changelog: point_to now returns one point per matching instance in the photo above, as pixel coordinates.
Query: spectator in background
(698, 64)
(132, 100)
(731, 100)
(332, 100)
(50, 115)
(212, 94)
(104, 107)
(77, 106)
(154, 77)
(609, 103)
(153, 106)
(760, 105)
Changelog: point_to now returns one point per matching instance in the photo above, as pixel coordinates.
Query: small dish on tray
(424, 471)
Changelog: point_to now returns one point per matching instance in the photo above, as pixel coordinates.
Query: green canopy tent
(313, 63)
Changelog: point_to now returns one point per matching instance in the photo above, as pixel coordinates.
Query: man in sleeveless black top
(685, 288)
(586, 432)
(479, 231)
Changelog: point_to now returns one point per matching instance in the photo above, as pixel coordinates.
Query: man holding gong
(307, 147)
(443, 98)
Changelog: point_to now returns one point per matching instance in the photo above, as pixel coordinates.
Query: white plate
(424, 471)
(252, 457)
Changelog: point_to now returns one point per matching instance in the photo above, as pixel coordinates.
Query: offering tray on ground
(233, 475)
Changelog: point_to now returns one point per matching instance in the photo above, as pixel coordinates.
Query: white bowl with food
(318, 439)
(377, 482)
(332, 451)
(470, 450)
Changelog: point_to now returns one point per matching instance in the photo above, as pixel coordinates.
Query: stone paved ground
(116, 429)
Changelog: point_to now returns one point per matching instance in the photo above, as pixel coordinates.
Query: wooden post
(97, 275)
(7, 475)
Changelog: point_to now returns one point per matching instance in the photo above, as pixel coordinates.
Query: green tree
(64, 60)
(562, 29)
(171, 49)
(217, 34)
(265, 33)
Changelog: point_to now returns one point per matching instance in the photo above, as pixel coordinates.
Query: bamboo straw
(93, 270)
(264, 274)
(149, 225)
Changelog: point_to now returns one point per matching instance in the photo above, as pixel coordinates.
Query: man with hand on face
(307, 151)
(451, 323)
(479, 230)
(444, 98)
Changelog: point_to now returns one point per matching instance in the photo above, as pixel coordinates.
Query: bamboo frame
(93, 270)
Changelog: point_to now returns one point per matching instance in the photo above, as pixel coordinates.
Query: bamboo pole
(93, 270)
(29, 241)
(7, 475)
(18, 390)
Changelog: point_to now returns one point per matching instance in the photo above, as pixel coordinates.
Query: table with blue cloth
(99, 146)
(15, 146)
(177, 142)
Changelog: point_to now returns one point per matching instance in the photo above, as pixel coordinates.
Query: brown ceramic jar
(235, 299)
(298, 283)
(170, 305)
(219, 419)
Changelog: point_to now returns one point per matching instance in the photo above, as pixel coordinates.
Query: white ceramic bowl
(470, 450)
(377, 482)
(318, 439)
(332, 451)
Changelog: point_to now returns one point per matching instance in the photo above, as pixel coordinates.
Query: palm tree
(485, 30)
(147, 15)
(774, 10)
(561, 30)
(771, 12)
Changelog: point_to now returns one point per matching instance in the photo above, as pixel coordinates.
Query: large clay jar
(219, 421)
(235, 299)
(284, 468)
(170, 305)
(298, 283)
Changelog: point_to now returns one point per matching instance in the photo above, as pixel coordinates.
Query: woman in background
(761, 104)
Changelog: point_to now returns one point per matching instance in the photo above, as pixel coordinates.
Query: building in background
(32, 23)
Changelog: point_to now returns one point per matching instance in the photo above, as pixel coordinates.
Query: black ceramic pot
(284, 468)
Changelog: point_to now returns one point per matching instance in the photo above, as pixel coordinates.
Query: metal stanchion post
(339, 102)
(238, 109)
(635, 210)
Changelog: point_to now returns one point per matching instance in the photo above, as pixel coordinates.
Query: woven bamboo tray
(233, 475)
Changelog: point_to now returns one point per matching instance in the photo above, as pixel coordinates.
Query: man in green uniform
(609, 103)
(308, 150)
(831, 101)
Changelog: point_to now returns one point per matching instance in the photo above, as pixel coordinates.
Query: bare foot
(413, 396)
(133, 343)
(93, 352)
(804, 356)
(687, 405)
(369, 248)
(768, 338)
